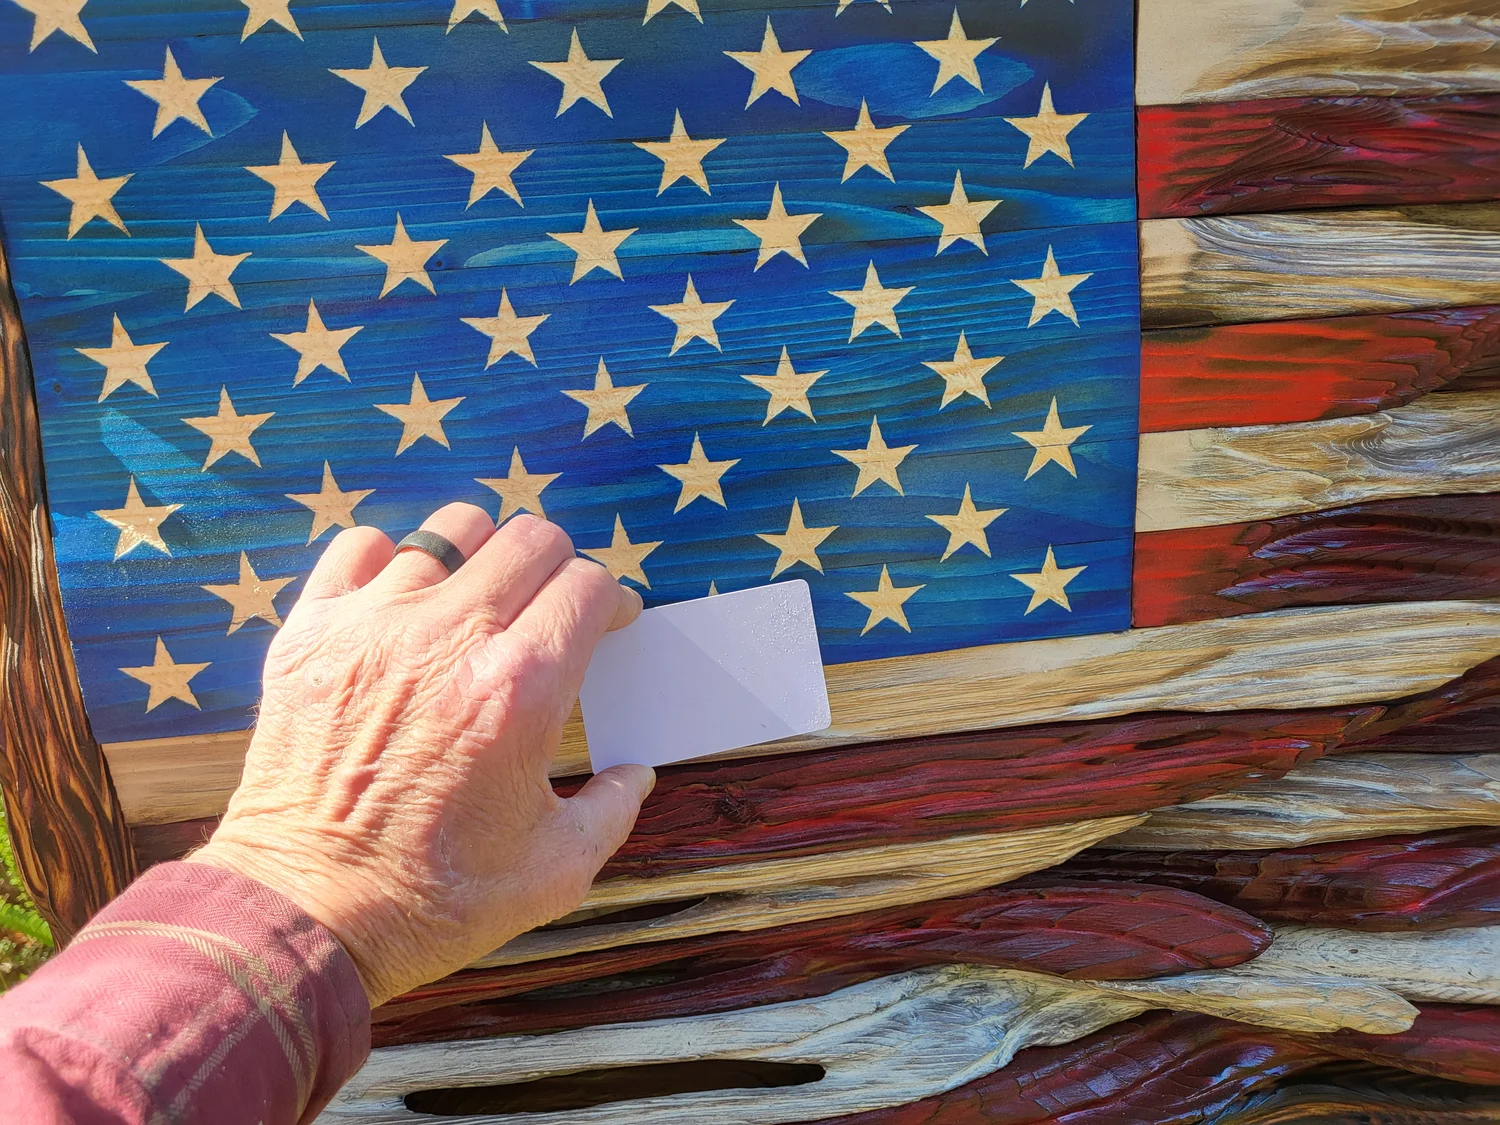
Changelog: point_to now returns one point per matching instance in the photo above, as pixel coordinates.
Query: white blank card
(705, 676)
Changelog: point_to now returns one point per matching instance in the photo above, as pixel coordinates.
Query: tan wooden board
(1239, 268)
(1227, 50)
(1285, 659)
(1438, 445)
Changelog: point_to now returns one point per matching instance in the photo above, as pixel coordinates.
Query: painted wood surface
(1426, 548)
(748, 897)
(1090, 931)
(1336, 1095)
(1233, 269)
(1347, 798)
(880, 1043)
(66, 825)
(1438, 445)
(1291, 154)
(1436, 880)
(1221, 50)
(1304, 370)
(1295, 659)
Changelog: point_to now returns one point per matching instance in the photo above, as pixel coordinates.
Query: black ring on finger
(431, 543)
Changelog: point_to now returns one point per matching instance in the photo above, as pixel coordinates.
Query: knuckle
(541, 536)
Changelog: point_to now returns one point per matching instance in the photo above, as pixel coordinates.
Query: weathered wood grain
(1295, 659)
(1348, 798)
(1353, 1094)
(1231, 269)
(1222, 50)
(1432, 881)
(68, 829)
(1304, 370)
(880, 1043)
(1095, 931)
(1438, 445)
(1425, 548)
(746, 897)
(1291, 154)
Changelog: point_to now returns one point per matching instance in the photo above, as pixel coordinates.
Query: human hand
(396, 784)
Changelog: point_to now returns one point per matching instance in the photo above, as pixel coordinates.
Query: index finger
(570, 613)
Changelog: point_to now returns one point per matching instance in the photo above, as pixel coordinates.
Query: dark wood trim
(66, 824)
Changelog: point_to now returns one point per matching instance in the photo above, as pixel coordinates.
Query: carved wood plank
(880, 1043)
(1291, 154)
(1304, 370)
(1438, 445)
(1295, 659)
(1348, 798)
(1093, 931)
(1425, 548)
(1432, 881)
(1231, 269)
(67, 828)
(748, 897)
(1350, 1093)
(1222, 50)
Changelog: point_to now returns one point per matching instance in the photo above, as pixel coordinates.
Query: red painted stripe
(1295, 153)
(1303, 370)
(1425, 548)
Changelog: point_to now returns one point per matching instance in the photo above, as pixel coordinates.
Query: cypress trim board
(1225, 50)
(1283, 660)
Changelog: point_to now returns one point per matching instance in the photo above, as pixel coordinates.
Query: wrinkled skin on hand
(396, 784)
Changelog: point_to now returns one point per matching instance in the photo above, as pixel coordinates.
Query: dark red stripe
(1426, 548)
(1303, 370)
(1290, 154)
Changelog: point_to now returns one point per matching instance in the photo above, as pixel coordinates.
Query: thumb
(603, 812)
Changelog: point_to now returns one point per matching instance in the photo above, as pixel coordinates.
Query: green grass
(25, 940)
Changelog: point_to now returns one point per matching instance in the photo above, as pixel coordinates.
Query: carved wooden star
(489, 9)
(492, 169)
(507, 332)
(228, 431)
(622, 558)
(404, 258)
(967, 525)
(681, 157)
(594, 246)
(655, 7)
(90, 196)
(519, 490)
(788, 388)
(581, 77)
(960, 217)
(964, 373)
(1052, 292)
(1049, 584)
(606, 402)
(876, 461)
(57, 15)
(331, 506)
(779, 233)
(207, 272)
(166, 678)
(263, 12)
(693, 317)
(1052, 442)
(252, 596)
(956, 56)
(421, 417)
(1048, 130)
(175, 96)
(771, 66)
(699, 477)
(873, 304)
(293, 181)
(138, 522)
(886, 4)
(886, 602)
(317, 345)
(383, 85)
(799, 543)
(124, 361)
(865, 144)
